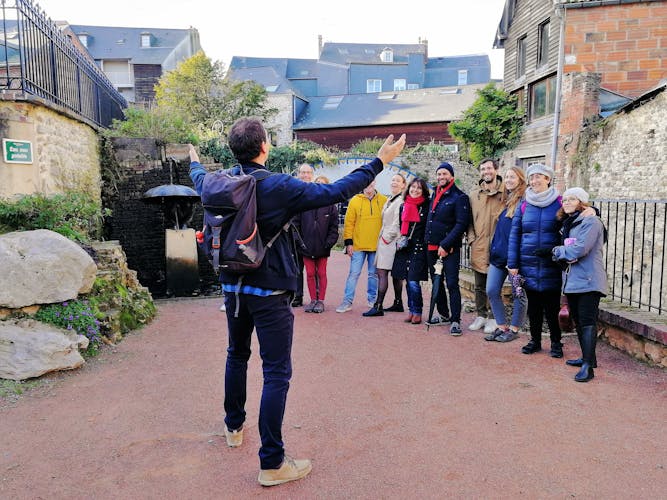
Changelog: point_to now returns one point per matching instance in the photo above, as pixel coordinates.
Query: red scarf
(438, 194)
(410, 213)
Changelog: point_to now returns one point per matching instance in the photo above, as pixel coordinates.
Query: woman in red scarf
(410, 261)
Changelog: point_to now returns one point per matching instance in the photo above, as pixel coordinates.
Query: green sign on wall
(17, 151)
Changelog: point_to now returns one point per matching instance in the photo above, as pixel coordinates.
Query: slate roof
(106, 42)
(385, 108)
(345, 53)
(285, 67)
(268, 77)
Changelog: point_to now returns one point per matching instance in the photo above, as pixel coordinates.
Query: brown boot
(409, 318)
(416, 319)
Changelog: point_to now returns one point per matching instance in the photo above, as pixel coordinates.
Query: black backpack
(230, 237)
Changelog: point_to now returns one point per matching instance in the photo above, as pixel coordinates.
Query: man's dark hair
(495, 163)
(245, 139)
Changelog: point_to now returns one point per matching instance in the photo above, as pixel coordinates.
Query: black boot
(580, 361)
(376, 310)
(397, 306)
(556, 349)
(532, 346)
(588, 341)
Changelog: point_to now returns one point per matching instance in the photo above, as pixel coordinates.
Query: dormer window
(146, 39)
(84, 38)
(387, 55)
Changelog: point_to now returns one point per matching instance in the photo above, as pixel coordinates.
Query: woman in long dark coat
(410, 261)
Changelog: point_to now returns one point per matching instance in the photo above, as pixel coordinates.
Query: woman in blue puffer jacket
(534, 233)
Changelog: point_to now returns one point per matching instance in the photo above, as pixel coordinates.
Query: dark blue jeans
(273, 320)
(451, 279)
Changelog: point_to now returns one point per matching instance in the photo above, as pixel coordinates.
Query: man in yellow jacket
(363, 221)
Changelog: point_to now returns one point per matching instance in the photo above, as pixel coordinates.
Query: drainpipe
(560, 13)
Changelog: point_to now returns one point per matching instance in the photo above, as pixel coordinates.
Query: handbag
(564, 319)
(403, 240)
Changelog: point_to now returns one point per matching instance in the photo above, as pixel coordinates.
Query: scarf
(439, 192)
(543, 199)
(568, 224)
(410, 213)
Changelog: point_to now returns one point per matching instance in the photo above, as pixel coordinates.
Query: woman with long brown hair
(515, 183)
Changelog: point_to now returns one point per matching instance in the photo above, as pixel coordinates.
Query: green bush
(367, 147)
(158, 123)
(76, 216)
(81, 316)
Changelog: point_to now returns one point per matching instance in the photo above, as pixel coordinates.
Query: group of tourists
(413, 235)
(518, 228)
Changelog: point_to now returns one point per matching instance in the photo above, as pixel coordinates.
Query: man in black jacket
(261, 299)
(448, 219)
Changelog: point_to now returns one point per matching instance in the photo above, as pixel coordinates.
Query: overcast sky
(270, 29)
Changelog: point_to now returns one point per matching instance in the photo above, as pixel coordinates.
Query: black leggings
(541, 305)
(383, 285)
(584, 308)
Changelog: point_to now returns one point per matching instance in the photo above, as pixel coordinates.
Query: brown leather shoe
(416, 319)
(409, 318)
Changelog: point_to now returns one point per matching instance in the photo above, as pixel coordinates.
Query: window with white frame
(373, 85)
(387, 55)
(145, 39)
(400, 84)
(463, 77)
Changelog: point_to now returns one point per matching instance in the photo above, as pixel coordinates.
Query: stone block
(42, 267)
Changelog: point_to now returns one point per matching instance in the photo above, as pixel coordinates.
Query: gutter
(598, 3)
(559, 82)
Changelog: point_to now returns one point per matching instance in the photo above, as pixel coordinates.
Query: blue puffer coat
(535, 230)
(498, 249)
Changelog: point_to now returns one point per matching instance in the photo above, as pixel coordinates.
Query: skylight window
(385, 97)
(450, 91)
(332, 102)
(271, 88)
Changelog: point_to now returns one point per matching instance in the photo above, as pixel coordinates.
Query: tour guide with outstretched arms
(261, 299)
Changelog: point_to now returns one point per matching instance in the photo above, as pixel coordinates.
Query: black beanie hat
(446, 165)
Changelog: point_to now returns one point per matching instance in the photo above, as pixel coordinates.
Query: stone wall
(65, 152)
(280, 124)
(624, 156)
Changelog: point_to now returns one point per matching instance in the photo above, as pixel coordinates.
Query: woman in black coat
(319, 232)
(410, 261)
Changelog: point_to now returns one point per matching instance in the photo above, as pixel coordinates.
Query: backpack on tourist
(230, 237)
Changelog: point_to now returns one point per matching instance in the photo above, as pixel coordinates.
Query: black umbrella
(437, 279)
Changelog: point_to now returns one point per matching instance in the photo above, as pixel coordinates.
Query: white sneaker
(344, 307)
(478, 323)
(222, 307)
(490, 326)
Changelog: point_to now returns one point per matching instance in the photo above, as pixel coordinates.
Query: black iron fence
(634, 255)
(38, 59)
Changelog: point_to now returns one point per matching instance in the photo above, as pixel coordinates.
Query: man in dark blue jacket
(448, 219)
(261, 299)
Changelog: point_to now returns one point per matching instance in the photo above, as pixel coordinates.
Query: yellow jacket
(363, 221)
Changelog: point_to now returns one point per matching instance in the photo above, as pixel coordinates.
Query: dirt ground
(384, 410)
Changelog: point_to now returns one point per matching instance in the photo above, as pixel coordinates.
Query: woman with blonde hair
(386, 249)
(515, 184)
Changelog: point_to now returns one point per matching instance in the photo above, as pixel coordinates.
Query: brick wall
(626, 44)
(139, 226)
(579, 106)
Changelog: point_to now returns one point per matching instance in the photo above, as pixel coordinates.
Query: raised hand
(390, 149)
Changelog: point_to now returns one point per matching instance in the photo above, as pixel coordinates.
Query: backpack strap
(215, 246)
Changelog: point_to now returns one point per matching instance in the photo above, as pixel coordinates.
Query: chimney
(319, 46)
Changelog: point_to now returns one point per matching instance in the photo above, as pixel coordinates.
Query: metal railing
(36, 58)
(634, 255)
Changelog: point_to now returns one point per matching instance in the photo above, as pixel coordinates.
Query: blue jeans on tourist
(356, 264)
(494, 284)
(415, 300)
(273, 320)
